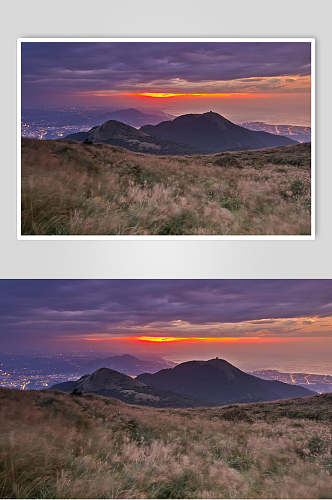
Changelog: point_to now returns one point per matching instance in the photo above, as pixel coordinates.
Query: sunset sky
(265, 81)
(252, 323)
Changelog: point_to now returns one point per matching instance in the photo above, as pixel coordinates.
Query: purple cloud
(50, 307)
(90, 66)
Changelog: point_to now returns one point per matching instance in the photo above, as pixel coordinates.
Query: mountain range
(212, 133)
(119, 134)
(71, 363)
(186, 134)
(83, 116)
(218, 382)
(194, 383)
(112, 383)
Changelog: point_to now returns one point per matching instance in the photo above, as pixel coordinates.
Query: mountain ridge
(187, 134)
(213, 133)
(112, 383)
(119, 134)
(218, 382)
(196, 383)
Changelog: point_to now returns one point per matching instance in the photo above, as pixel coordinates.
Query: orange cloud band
(190, 340)
(172, 95)
(168, 94)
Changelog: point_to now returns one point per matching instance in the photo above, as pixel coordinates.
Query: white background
(166, 259)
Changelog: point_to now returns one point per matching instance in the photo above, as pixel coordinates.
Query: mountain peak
(211, 132)
(213, 113)
(112, 383)
(218, 362)
(118, 133)
(217, 381)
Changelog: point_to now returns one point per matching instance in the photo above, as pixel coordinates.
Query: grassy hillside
(56, 445)
(71, 188)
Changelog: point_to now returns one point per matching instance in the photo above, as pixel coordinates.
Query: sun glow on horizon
(186, 340)
(202, 94)
(186, 95)
(178, 331)
(201, 339)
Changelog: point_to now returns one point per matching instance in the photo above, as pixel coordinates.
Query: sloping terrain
(70, 189)
(213, 133)
(194, 383)
(186, 134)
(56, 445)
(114, 384)
(119, 134)
(218, 382)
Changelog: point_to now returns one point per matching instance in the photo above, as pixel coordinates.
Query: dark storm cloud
(48, 307)
(88, 66)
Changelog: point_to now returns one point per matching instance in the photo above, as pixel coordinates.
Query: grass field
(76, 189)
(56, 445)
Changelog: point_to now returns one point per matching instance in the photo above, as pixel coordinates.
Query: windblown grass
(56, 445)
(77, 189)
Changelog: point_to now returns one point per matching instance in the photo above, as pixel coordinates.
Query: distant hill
(137, 118)
(212, 133)
(218, 382)
(112, 383)
(129, 365)
(187, 134)
(64, 117)
(70, 364)
(295, 132)
(119, 134)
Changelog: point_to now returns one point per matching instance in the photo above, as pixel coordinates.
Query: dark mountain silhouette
(129, 365)
(114, 384)
(218, 382)
(119, 134)
(212, 133)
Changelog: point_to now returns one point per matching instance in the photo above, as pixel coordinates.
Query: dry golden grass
(76, 189)
(55, 445)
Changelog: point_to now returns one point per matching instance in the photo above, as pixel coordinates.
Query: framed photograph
(166, 138)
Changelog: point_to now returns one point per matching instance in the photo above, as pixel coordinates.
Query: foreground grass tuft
(77, 189)
(56, 445)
